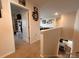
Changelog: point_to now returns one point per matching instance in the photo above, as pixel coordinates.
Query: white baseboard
(41, 56)
(34, 41)
(7, 54)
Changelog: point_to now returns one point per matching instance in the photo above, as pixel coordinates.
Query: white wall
(14, 1)
(67, 23)
(7, 45)
(76, 33)
(70, 24)
(49, 42)
(34, 26)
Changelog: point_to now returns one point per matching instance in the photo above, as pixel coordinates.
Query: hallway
(25, 50)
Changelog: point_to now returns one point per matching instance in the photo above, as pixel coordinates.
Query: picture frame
(19, 17)
(22, 2)
(35, 14)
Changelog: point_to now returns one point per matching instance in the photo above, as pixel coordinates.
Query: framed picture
(35, 9)
(22, 2)
(19, 17)
(35, 14)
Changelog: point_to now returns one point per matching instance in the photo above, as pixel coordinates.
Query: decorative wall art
(19, 17)
(35, 14)
(22, 2)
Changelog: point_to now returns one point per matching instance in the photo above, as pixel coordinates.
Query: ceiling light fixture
(56, 14)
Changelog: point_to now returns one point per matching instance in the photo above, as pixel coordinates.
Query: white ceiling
(49, 7)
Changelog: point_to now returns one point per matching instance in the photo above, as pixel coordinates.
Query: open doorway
(65, 48)
(20, 24)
